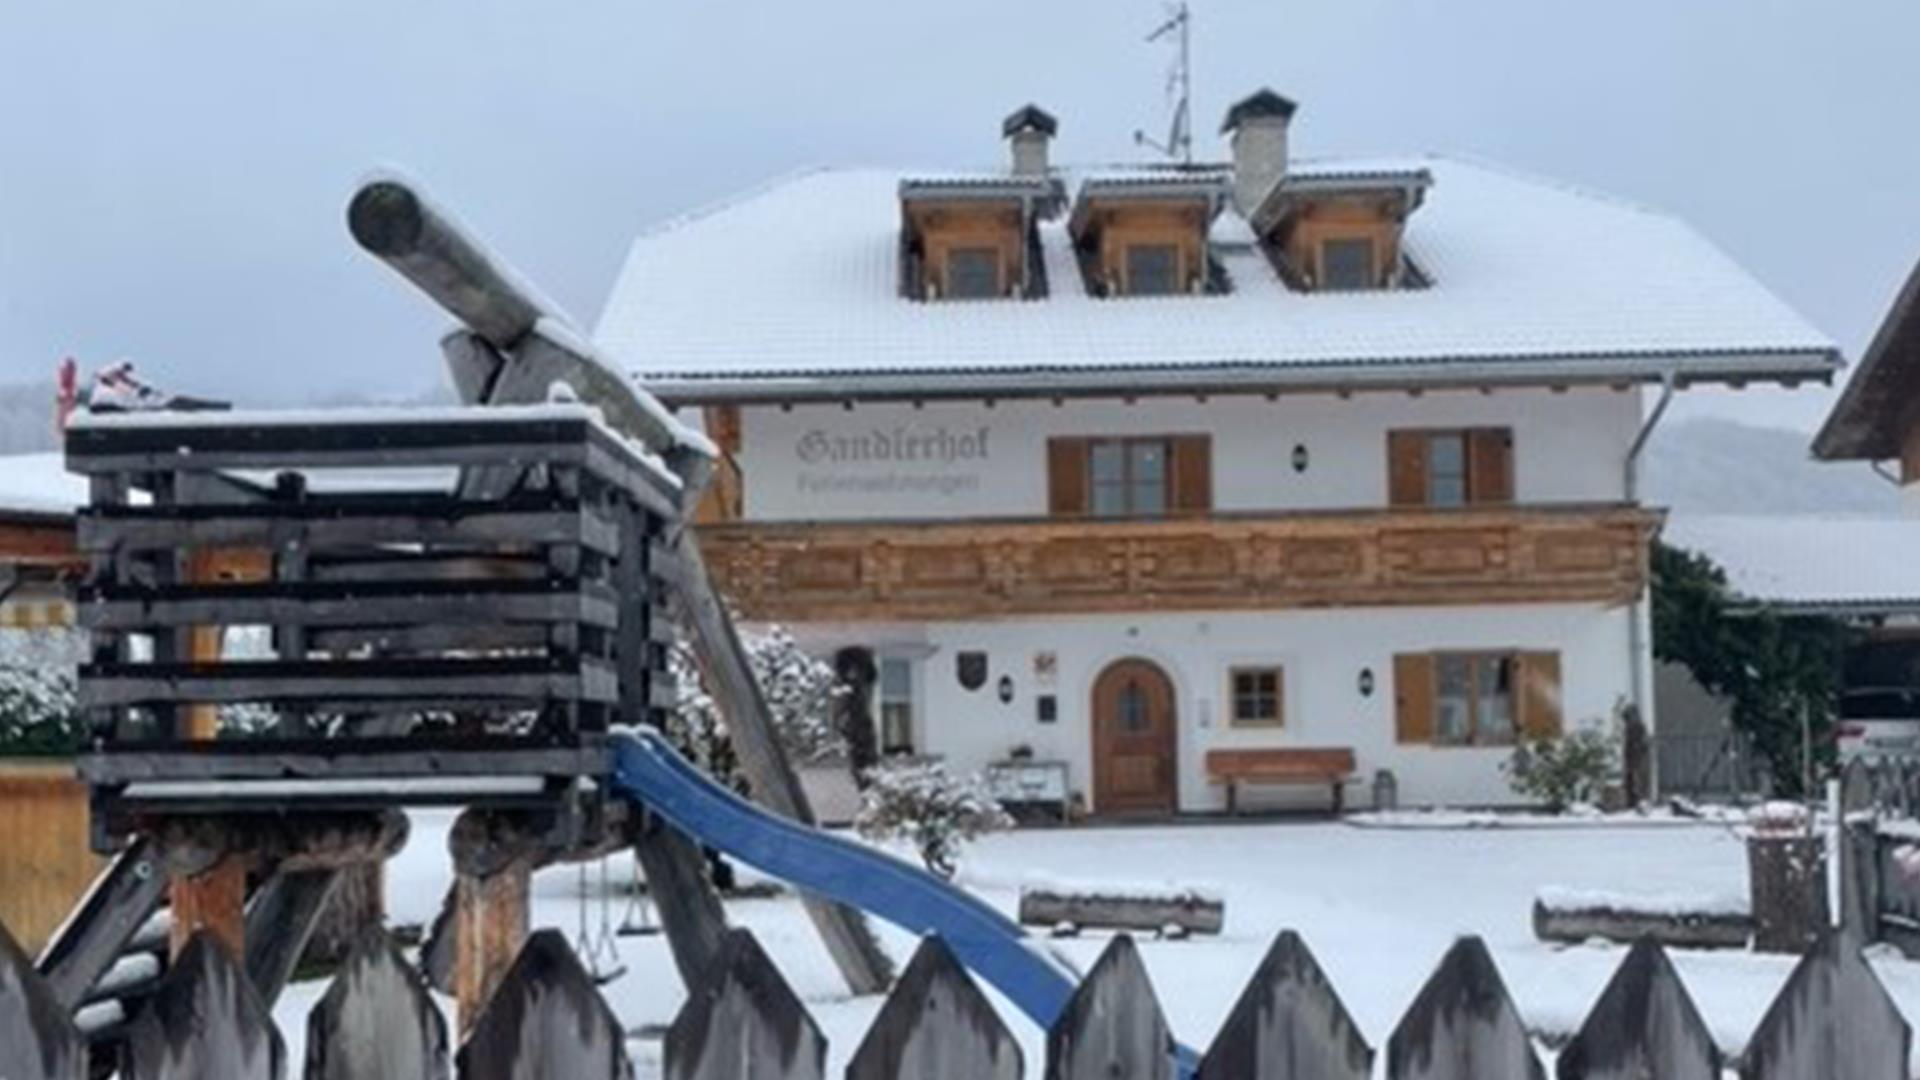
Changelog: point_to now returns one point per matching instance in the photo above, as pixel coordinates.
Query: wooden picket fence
(547, 1021)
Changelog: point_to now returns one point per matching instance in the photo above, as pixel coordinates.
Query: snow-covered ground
(1377, 906)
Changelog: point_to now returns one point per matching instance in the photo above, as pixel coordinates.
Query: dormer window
(1146, 235)
(1347, 263)
(971, 239)
(1153, 270)
(973, 273)
(1323, 230)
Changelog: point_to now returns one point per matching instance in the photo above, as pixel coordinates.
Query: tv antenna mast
(1179, 144)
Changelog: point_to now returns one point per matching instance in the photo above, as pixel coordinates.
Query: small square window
(973, 274)
(1153, 269)
(1347, 264)
(1256, 696)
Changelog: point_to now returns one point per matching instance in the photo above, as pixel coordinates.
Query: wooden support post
(214, 899)
(494, 854)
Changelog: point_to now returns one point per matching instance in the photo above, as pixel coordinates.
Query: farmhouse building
(1154, 472)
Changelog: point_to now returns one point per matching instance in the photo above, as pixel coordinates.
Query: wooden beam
(494, 855)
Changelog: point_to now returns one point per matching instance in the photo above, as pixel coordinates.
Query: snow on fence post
(1112, 1026)
(546, 1019)
(1463, 1025)
(1832, 1019)
(205, 1020)
(936, 1025)
(1644, 1024)
(36, 1033)
(744, 1022)
(376, 1021)
(1786, 871)
(1288, 1025)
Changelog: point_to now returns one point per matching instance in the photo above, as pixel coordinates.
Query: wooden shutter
(1537, 687)
(1413, 698)
(1191, 457)
(1067, 477)
(1406, 468)
(1490, 465)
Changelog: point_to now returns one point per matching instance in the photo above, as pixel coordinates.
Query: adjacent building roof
(1880, 403)
(39, 486)
(1845, 565)
(791, 292)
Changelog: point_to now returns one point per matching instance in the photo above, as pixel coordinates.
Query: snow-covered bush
(930, 808)
(800, 690)
(39, 709)
(1564, 771)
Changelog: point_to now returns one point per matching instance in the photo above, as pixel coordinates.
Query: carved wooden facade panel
(883, 570)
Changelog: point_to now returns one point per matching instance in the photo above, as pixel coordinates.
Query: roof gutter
(1110, 380)
(1668, 383)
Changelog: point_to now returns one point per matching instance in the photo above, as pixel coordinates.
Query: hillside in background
(1710, 466)
(26, 417)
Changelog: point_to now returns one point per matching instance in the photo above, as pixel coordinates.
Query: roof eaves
(1386, 373)
(1866, 422)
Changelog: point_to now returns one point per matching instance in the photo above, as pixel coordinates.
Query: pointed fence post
(377, 1021)
(1463, 1025)
(1288, 1025)
(1644, 1025)
(744, 1023)
(205, 1020)
(936, 1025)
(37, 1036)
(546, 1021)
(1112, 1028)
(1832, 1019)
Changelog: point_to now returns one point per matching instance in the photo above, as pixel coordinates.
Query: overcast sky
(172, 176)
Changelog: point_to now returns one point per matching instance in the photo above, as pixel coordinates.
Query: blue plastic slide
(987, 942)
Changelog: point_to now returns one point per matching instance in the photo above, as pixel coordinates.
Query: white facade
(965, 460)
(1323, 653)
(895, 461)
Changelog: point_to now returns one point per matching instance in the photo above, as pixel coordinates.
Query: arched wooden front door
(1134, 741)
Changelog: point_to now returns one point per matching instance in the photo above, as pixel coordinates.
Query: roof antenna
(1179, 142)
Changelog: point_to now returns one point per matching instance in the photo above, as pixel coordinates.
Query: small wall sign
(971, 669)
(1005, 689)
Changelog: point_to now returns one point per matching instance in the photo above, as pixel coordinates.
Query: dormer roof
(1261, 103)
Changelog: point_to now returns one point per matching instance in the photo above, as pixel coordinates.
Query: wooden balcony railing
(874, 570)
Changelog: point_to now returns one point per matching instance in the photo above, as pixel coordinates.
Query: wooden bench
(1330, 765)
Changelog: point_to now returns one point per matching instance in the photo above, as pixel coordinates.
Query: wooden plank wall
(46, 863)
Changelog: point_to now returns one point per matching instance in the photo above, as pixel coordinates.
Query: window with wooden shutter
(1449, 466)
(1406, 468)
(1067, 477)
(1413, 698)
(1192, 473)
(1490, 465)
(1130, 477)
(1540, 709)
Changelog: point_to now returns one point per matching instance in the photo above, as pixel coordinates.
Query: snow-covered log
(1190, 911)
(1574, 915)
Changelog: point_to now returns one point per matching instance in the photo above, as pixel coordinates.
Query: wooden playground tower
(460, 603)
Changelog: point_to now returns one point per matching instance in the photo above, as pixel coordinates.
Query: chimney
(1028, 130)
(1257, 126)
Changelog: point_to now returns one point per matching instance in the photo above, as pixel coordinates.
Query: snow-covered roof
(791, 290)
(39, 484)
(1831, 561)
